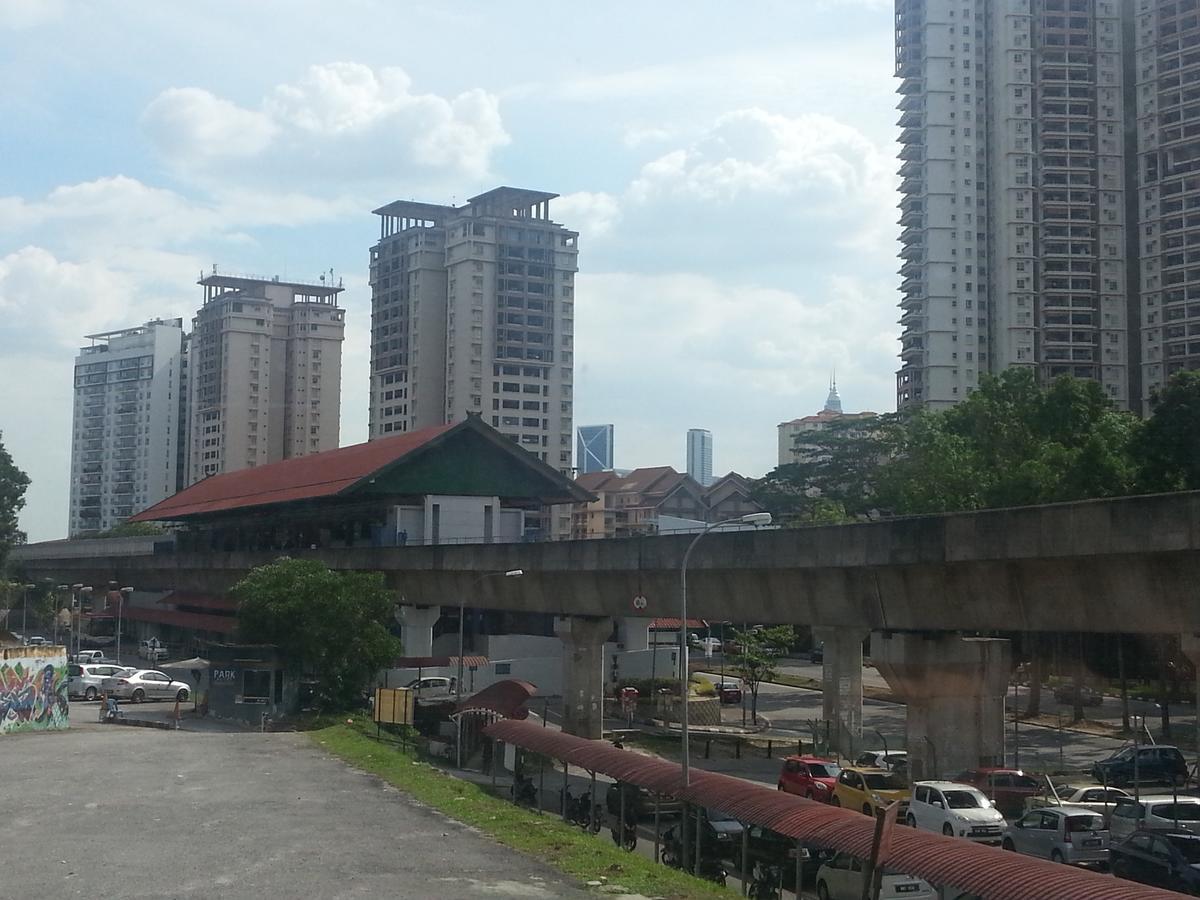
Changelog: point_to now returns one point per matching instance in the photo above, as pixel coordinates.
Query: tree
(13, 483)
(1168, 447)
(332, 624)
(130, 529)
(756, 655)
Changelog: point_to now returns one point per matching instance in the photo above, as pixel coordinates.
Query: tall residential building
(127, 433)
(594, 448)
(700, 455)
(265, 372)
(1014, 204)
(1166, 67)
(473, 312)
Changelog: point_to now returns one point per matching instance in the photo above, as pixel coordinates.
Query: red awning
(944, 861)
(674, 623)
(438, 662)
(200, 601)
(194, 621)
(505, 698)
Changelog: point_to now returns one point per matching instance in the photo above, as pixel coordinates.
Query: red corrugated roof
(200, 601)
(437, 662)
(196, 621)
(505, 698)
(674, 623)
(987, 871)
(303, 478)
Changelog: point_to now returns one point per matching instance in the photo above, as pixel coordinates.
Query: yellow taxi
(870, 790)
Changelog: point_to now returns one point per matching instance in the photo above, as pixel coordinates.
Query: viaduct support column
(417, 629)
(841, 686)
(955, 689)
(583, 640)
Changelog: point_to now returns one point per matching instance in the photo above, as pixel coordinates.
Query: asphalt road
(104, 811)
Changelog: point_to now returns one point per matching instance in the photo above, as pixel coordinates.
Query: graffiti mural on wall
(33, 690)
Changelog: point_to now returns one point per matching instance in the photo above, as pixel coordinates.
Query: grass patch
(546, 837)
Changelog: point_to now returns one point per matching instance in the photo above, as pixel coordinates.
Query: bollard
(737, 749)
(769, 749)
(707, 749)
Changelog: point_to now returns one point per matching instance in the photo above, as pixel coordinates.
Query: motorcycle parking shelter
(985, 871)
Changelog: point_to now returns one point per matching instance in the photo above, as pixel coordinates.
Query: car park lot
(232, 816)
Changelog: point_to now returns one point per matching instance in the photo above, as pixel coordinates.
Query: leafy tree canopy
(13, 483)
(757, 652)
(129, 529)
(332, 624)
(1169, 445)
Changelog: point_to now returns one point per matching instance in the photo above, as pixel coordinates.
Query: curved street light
(758, 518)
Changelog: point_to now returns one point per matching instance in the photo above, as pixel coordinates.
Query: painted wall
(33, 689)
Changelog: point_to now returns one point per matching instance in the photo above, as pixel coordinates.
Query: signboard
(394, 706)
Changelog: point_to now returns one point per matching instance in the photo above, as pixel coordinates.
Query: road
(232, 816)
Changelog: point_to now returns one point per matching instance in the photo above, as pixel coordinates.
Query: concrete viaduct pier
(917, 585)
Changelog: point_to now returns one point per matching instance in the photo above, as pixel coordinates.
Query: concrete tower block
(583, 640)
(417, 629)
(955, 689)
(841, 686)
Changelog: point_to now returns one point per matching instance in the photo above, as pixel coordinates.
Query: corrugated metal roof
(505, 698)
(987, 871)
(674, 623)
(303, 478)
(196, 621)
(200, 601)
(437, 662)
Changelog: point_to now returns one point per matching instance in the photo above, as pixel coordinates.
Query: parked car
(892, 760)
(1160, 812)
(841, 879)
(720, 834)
(1160, 763)
(729, 691)
(869, 790)
(809, 776)
(1161, 858)
(707, 645)
(36, 641)
(1097, 799)
(1008, 789)
(639, 802)
(1074, 835)
(145, 684)
(772, 849)
(956, 810)
(87, 681)
(817, 653)
(1088, 695)
(152, 649)
(91, 656)
(432, 686)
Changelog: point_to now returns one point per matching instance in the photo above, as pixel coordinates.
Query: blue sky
(730, 169)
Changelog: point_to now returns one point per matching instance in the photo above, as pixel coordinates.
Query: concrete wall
(33, 689)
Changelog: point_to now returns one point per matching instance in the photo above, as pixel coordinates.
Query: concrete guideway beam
(954, 688)
(416, 633)
(583, 640)
(841, 686)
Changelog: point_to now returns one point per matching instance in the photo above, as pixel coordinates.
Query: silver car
(1074, 835)
(1155, 812)
(146, 684)
(87, 680)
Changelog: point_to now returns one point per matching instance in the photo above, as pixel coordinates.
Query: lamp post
(74, 636)
(126, 592)
(25, 589)
(462, 611)
(759, 518)
(60, 589)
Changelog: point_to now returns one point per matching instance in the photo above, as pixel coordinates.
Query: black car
(720, 834)
(1160, 858)
(639, 802)
(771, 849)
(817, 653)
(1156, 763)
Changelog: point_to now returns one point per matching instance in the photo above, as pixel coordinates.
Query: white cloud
(20, 14)
(592, 214)
(340, 119)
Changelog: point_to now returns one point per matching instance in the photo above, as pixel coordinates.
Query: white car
(87, 680)
(1155, 812)
(433, 686)
(841, 879)
(882, 759)
(1097, 799)
(955, 810)
(146, 684)
(706, 645)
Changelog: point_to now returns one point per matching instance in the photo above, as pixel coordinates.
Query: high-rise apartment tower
(265, 372)
(700, 455)
(473, 312)
(1014, 210)
(128, 428)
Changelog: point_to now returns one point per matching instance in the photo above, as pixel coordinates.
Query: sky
(730, 169)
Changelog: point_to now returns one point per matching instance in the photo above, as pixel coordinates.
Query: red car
(1008, 789)
(809, 776)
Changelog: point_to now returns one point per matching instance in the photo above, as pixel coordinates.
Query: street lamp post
(759, 518)
(462, 610)
(126, 592)
(25, 589)
(57, 609)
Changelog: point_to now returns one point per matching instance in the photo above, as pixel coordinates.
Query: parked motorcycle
(765, 882)
(625, 836)
(710, 867)
(523, 792)
(582, 812)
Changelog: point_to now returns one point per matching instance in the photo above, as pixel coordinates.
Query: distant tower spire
(833, 403)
